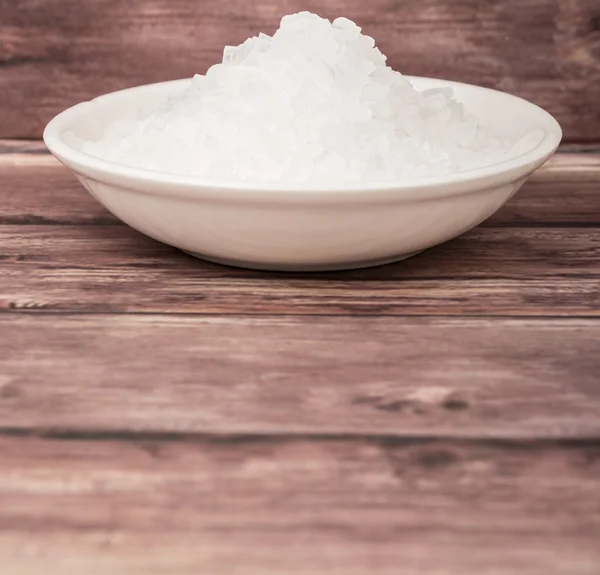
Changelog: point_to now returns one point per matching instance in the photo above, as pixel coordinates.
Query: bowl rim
(142, 179)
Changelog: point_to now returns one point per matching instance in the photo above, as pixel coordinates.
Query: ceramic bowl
(294, 228)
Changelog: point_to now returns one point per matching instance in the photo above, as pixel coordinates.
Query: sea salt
(314, 103)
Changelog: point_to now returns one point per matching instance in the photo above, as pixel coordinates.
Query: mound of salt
(314, 103)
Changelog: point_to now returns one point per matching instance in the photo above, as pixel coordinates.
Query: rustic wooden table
(163, 415)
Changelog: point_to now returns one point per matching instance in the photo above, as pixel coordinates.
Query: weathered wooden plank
(409, 377)
(35, 188)
(272, 506)
(55, 54)
(22, 147)
(489, 271)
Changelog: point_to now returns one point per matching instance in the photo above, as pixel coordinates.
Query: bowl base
(302, 268)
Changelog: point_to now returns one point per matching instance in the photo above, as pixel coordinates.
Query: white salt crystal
(229, 53)
(313, 103)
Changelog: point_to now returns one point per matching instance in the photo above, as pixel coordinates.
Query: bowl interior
(507, 115)
(504, 114)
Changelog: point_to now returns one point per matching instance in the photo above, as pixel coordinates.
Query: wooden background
(55, 53)
(165, 416)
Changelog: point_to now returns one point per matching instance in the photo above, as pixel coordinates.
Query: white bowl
(275, 227)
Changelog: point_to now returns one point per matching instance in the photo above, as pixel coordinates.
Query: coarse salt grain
(314, 103)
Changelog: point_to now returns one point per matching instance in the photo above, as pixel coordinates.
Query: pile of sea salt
(314, 103)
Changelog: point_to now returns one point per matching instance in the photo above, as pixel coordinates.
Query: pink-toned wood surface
(267, 506)
(539, 255)
(406, 377)
(56, 53)
(162, 415)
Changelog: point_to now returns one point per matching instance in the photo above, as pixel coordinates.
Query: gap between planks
(224, 438)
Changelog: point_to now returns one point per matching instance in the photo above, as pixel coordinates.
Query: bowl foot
(300, 267)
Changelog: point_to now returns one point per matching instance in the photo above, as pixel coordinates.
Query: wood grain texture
(36, 189)
(308, 375)
(55, 54)
(273, 506)
(241, 423)
(22, 147)
(489, 271)
(49, 260)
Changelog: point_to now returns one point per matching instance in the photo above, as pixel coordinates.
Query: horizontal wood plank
(22, 146)
(489, 271)
(492, 270)
(267, 507)
(415, 377)
(36, 189)
(55, 54)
